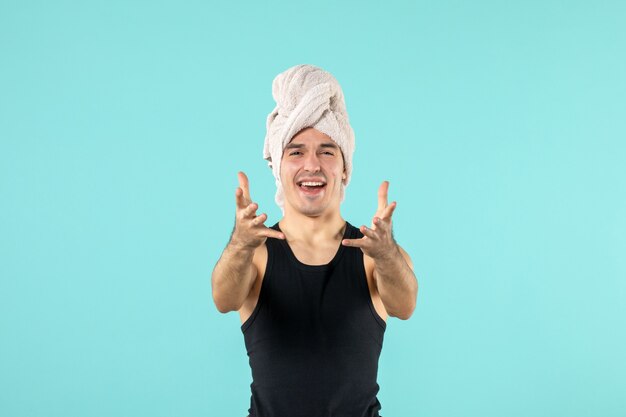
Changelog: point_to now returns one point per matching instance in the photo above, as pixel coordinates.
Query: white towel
(306, 96)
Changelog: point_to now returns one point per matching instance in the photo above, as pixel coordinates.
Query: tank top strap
(274, 247)
(353, 254)
(270, 241)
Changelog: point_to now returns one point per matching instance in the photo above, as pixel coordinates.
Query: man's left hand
(377, 241)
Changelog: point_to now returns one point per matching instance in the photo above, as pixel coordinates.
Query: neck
(300, 227)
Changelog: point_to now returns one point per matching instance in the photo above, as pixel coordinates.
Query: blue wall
(500, 127)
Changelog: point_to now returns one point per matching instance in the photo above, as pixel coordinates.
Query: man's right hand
(250, 232)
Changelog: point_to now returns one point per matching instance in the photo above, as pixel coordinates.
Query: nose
(311, 162)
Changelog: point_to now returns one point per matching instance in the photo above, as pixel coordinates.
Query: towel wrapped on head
(306, 96)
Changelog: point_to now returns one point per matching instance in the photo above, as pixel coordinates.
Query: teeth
(312, 184)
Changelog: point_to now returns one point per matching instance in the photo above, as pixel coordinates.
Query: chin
(310, 209)
(312, 212)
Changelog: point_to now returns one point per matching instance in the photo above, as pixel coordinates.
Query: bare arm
(233, 277)
(397, 284)
(393, 269)
(234, 273)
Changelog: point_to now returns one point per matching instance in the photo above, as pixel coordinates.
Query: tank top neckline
(347, 234)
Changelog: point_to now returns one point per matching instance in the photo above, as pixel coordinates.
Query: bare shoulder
(259, 261)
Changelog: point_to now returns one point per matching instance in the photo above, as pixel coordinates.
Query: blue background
(500, 127)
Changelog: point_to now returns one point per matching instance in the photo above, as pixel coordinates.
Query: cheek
(335, 169)
(286, 172)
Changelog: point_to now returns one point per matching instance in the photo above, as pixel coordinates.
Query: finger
(383, 225)
(388, 212)
(382, 196)
(244, 184)
(240, 200)
(357, 243)
(260, 219)
(368, 232)
(250, 210)
(267, 232)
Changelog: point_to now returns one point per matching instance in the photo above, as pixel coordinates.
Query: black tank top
(314, 337)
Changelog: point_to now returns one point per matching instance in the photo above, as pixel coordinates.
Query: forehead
(311, 137)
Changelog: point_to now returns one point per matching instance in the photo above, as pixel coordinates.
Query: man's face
(309, 159)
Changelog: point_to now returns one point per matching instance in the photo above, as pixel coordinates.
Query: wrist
(240, 247)
(388, 256)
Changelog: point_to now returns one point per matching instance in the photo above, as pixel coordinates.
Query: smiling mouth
(311, 187)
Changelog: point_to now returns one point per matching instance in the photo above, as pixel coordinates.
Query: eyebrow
(302, 145)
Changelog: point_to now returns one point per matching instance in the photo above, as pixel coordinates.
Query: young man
(313, 292)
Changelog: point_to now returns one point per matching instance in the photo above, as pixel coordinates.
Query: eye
(329, 153)
(294, 152)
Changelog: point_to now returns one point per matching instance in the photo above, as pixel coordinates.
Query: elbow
(219, 301)
(408, 312)
(406, 315)
(219, 306)
(222, 306)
